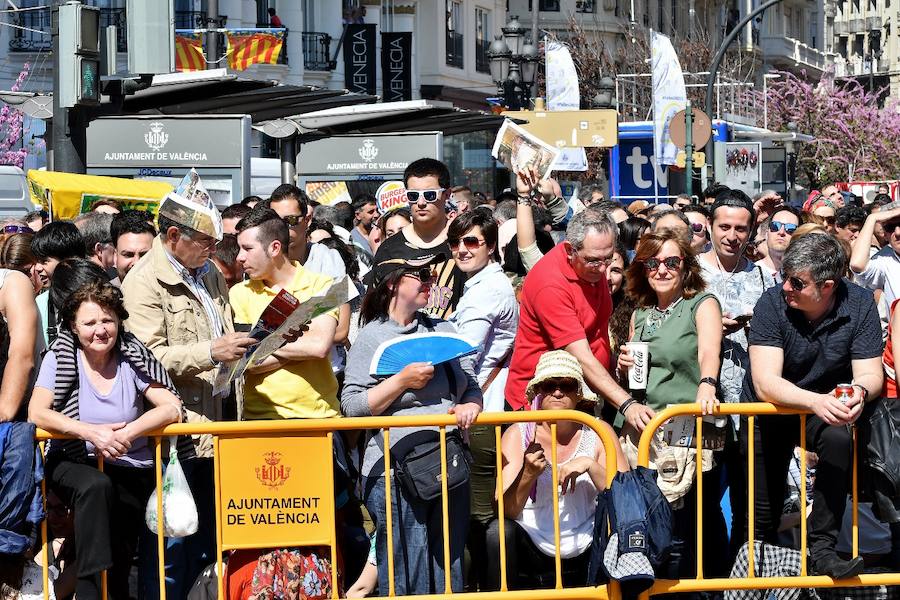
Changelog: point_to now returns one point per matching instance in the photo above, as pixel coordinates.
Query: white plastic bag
(179, 509)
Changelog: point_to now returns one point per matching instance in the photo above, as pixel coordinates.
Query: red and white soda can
(843, 392)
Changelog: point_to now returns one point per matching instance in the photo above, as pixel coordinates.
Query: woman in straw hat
(558, 384)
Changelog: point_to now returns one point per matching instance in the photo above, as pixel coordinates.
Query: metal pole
(717, 61)
(535, 13)
(212, 37)
(688, 149)
(288, 151)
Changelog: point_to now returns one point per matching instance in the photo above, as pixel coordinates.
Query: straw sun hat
(558, 364)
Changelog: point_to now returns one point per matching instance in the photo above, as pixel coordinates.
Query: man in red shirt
(565, 305)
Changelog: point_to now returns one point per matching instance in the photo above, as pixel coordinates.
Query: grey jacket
(434, 398)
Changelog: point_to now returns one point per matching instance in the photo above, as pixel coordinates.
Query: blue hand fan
(432, 347)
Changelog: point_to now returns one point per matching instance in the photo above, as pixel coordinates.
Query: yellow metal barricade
(804, 580)
(275, 472)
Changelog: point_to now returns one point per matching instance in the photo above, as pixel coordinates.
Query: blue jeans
(418, 538)
(185, 557)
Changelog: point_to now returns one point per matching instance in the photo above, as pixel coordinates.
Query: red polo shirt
(557, 308)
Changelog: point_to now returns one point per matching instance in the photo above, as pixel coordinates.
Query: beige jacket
(166, 316)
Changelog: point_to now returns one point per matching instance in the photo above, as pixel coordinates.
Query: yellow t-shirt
(305, 389)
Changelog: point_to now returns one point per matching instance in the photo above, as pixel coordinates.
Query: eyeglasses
(412, 196)
(796, 283)
(471, 243)
(789, 228)
(597, 263)
(425, 274)
(566, 386)
(292, 220)
(698, 227)
(17, 229)
(672, 263)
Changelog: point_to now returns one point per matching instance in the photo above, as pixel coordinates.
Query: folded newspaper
(191, 205)
(520, 150)
(284, 313)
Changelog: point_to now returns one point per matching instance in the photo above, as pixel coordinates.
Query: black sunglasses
(471, 242)
(424, 274)
(796, 283)
(789, 228)
(430, 195)
(566, 386)
(673, 263)
(292, 220)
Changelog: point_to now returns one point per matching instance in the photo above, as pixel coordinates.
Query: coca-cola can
(843, 392)
(637, 374)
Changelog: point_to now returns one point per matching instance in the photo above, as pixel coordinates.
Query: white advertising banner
(562, 79)
(669, 95)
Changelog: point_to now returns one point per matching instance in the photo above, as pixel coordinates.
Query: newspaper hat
(191, 205)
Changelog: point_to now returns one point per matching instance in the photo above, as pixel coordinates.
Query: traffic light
(79, 55)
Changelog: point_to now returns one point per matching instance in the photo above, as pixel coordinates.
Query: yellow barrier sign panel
(276, 491)
(598, 128)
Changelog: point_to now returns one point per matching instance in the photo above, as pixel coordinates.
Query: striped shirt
(195, 284)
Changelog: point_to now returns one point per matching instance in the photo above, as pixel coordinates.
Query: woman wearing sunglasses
(682, 324)
(488, 316)
(558, 384)
(400, 289)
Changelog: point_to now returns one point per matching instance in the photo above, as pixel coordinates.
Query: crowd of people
(118, 323)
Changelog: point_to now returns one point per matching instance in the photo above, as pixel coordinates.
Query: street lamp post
(513, 64)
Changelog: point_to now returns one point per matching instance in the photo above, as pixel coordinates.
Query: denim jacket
(21, 473)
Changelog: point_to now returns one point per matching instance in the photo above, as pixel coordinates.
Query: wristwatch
(711, 381)
(863, 390)
(524, 200)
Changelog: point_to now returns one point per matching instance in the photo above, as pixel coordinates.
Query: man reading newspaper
(296, 381)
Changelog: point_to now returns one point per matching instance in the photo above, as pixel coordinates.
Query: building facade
(865, 40)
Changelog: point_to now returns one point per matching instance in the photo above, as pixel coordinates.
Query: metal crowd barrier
(804, 580)
(222, 432)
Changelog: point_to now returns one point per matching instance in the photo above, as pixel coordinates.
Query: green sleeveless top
(672, 334)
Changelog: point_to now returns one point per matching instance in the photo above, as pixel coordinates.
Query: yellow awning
(66, 195)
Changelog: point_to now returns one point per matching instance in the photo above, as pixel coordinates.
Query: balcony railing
(454, 49)
(316, 51)
(35, 37)
(190, 19)
(482, 60)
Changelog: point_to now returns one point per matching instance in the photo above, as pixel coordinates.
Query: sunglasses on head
(789, 228)
(471, 242)
(673, 263)
(412, 196)
(17, 229)
(566, 386)
(698, 227)
(292, 220)
(423, 274)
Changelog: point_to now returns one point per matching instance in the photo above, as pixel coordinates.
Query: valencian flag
(189, 51)
(250, 46)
